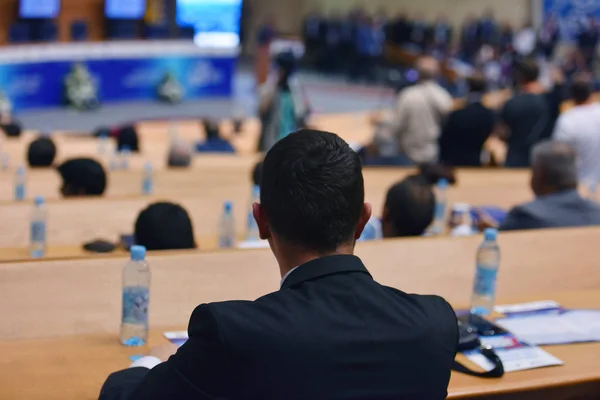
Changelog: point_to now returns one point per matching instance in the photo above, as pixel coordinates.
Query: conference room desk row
(79, 220)
(60, 318)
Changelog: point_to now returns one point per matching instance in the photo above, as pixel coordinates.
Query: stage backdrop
(34, 76)
(570, 13)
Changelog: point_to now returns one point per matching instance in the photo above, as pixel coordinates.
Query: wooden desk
(76, 221)
(75, 367)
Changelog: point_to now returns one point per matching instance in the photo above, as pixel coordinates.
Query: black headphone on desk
(468, 339)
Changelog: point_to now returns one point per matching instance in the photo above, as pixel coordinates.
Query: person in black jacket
(467, 129)
(331, 331)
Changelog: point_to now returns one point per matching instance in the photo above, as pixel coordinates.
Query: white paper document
(569, 326)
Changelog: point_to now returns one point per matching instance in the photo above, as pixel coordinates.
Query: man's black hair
(257, 173)
(164, 226)
(83, 176)
(477, 83)
(410, 204)
(581, 89)
(528, 71)
(12, 129)
(41, 152)
(128, 137)
(312, 190)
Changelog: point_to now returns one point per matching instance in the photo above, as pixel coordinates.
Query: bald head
(554, 167)
(428, 68)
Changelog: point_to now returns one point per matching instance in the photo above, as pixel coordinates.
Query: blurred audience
(214, 143)
(127, 138)
(82, 177)
(554, 183)
(164, 226)
(468, 128)
(580, 127)
(419, 114)
(41, 152)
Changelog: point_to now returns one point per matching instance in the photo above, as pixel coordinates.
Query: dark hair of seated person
(257, 173)
(433, 172)
(312, 194)
(128, 137)
(211, 128)
(409, 208)
(82, 177)
(12, 129)
(164, 226)
(41, 153)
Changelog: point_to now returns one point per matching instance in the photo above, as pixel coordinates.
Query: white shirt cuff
(146, 362)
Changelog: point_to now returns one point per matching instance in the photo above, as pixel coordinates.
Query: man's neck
(294, 258)
(533, 88)
(584, 103)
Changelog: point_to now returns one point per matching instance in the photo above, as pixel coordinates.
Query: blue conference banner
(42, 84)
(571, 13)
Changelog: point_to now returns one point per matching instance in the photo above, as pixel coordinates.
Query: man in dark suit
(467, 129)
(331, 331)
(554, 182)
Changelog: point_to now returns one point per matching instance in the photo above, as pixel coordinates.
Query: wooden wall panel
(91, 11)
(8, 14)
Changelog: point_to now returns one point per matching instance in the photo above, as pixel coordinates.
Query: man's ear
(261, 221)
(365, 215)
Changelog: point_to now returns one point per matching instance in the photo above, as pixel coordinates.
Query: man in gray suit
(554, 182)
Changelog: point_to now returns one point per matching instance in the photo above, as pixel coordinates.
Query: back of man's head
(312, 192)
(581, 89)
(528, 71)
(164, 226)
(41, 152)
(180, 154)
(554, 167)
(409, 207)
(211, 128)
(477, 83)
(82, 177)
(428, 68)
(257, 173)
(128, 138)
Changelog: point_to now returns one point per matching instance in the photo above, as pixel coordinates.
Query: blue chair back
(79, 31)
(19, 33)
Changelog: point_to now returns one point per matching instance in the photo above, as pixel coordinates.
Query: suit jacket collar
(322, 267)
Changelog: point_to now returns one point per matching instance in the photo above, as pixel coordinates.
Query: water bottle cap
(21, 170)
(125, 149)
(442, 183)
(148, 166)
(228, 206)
(39, 200)
(138, 253)
(490, 234)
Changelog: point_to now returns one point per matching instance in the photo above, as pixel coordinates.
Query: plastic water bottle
(125, 156)
(252, 233)
(37, 240)
(462, 224)
(20, 181)
(227, 227)
(148, 179)
(136, 296)
(102, 143)
(484, 288)
(113, 164)
(441, 201)
(4, 161)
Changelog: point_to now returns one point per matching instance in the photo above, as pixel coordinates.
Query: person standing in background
(548, 37)
(266, 34)
(420, 112)
(469, 39)
(587, 39)
(281, 103)
(418, 32)
(441, 35)
(488, 29)
(580, 127)
(311, 34)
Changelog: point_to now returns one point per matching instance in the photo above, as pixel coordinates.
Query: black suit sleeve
(199, 370)
(518, 219)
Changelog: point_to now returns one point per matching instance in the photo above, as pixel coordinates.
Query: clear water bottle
(227, 227)
(4, 161)
(114, 163)
(484, 288)
(37, 240)
(252, 233)
(20, 182)
(148, 179)
(102, 143)
(441, 201)
(136, 296)
(125, 156)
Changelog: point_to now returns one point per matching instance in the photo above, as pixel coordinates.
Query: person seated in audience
(554, 183)
(41, 152)
(467, 129)
(82, 177)
(331, 331)
(214, 143)
(580, 127)
(180, 154)
(164, 226)
(127, 138)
